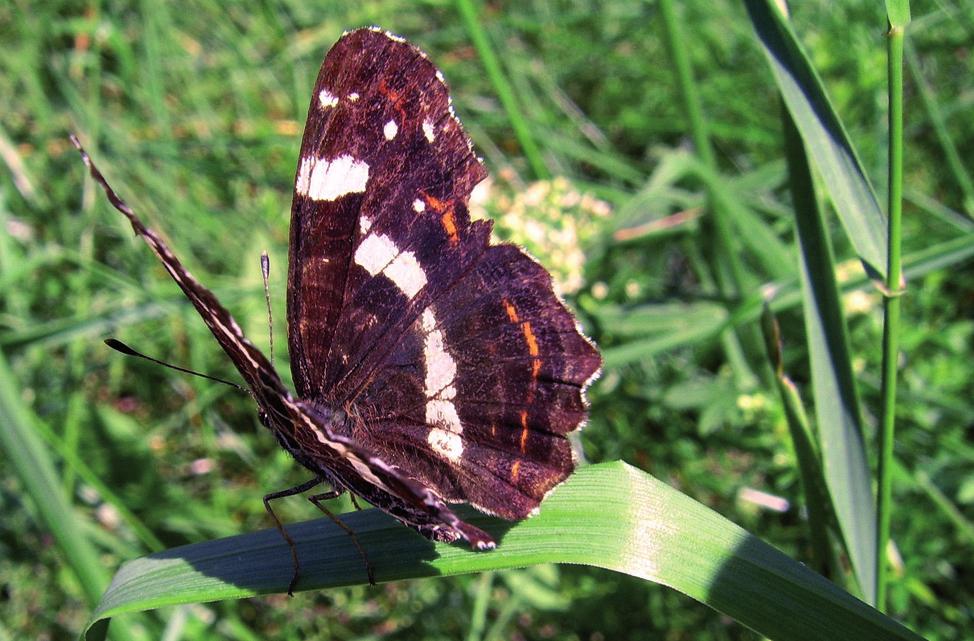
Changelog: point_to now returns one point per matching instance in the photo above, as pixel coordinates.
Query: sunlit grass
(196, 115)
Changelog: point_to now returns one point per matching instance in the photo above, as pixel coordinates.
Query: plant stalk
(891, 320)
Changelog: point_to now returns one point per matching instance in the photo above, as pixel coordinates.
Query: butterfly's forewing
(456, 361)
(380, 144)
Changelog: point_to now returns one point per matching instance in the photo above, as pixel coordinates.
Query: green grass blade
(611, 516)
(722, 254)
(37, 474)
(80, 468)
(825, 138)
(938, 122)
(809, 461)
(898, 12)
(698, 322)
(841, 441)
(522, 131)
(695, 327)
(944, 504)
(753, 232)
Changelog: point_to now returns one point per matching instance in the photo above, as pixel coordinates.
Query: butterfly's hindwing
(476, 399)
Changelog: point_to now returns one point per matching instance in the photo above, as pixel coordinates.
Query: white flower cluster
(552, 219)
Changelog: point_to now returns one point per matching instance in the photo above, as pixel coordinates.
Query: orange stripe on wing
(533, 350)
(530, 338)
(511, 311)
(447, 218)
(450, 226)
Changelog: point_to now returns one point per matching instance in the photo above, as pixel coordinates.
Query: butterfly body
(431, 367)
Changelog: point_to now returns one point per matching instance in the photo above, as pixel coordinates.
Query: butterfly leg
(317, 499)
(355, 502)
(297, 489)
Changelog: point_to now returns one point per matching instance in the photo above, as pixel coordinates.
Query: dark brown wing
(457, 360)
(479, 395)
(379, 224)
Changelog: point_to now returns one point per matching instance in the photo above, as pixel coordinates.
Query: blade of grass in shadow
(36, 473)
(611, 516)
(899, 16)
(944, 504)
(824, 136)
(841, 441)
(925, 204)
(478, 615)
(721, 256)
(80, 468)
(809, 463)
(928, 99)
(481, 42)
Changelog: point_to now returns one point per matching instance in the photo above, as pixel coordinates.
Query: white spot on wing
(364, 224)
(321, 179)
(446, 444)
(326, 99)
(304, 176)
(377, 253)
(390, 130)
(441, 412)
(441, 369)
(428, 131)
(406, 272)
(419, 206)
(353, 97)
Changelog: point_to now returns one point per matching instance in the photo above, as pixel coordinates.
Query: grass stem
(891, 320)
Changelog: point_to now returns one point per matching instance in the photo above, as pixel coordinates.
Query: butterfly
(431, 367)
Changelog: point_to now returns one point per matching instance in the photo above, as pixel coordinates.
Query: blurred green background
(195, 112)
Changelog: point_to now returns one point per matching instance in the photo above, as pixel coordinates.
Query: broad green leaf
(837, 415)
(611, 516)
(824, 136)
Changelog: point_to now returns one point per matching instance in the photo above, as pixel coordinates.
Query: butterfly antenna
(119, 346)
(265, 271)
